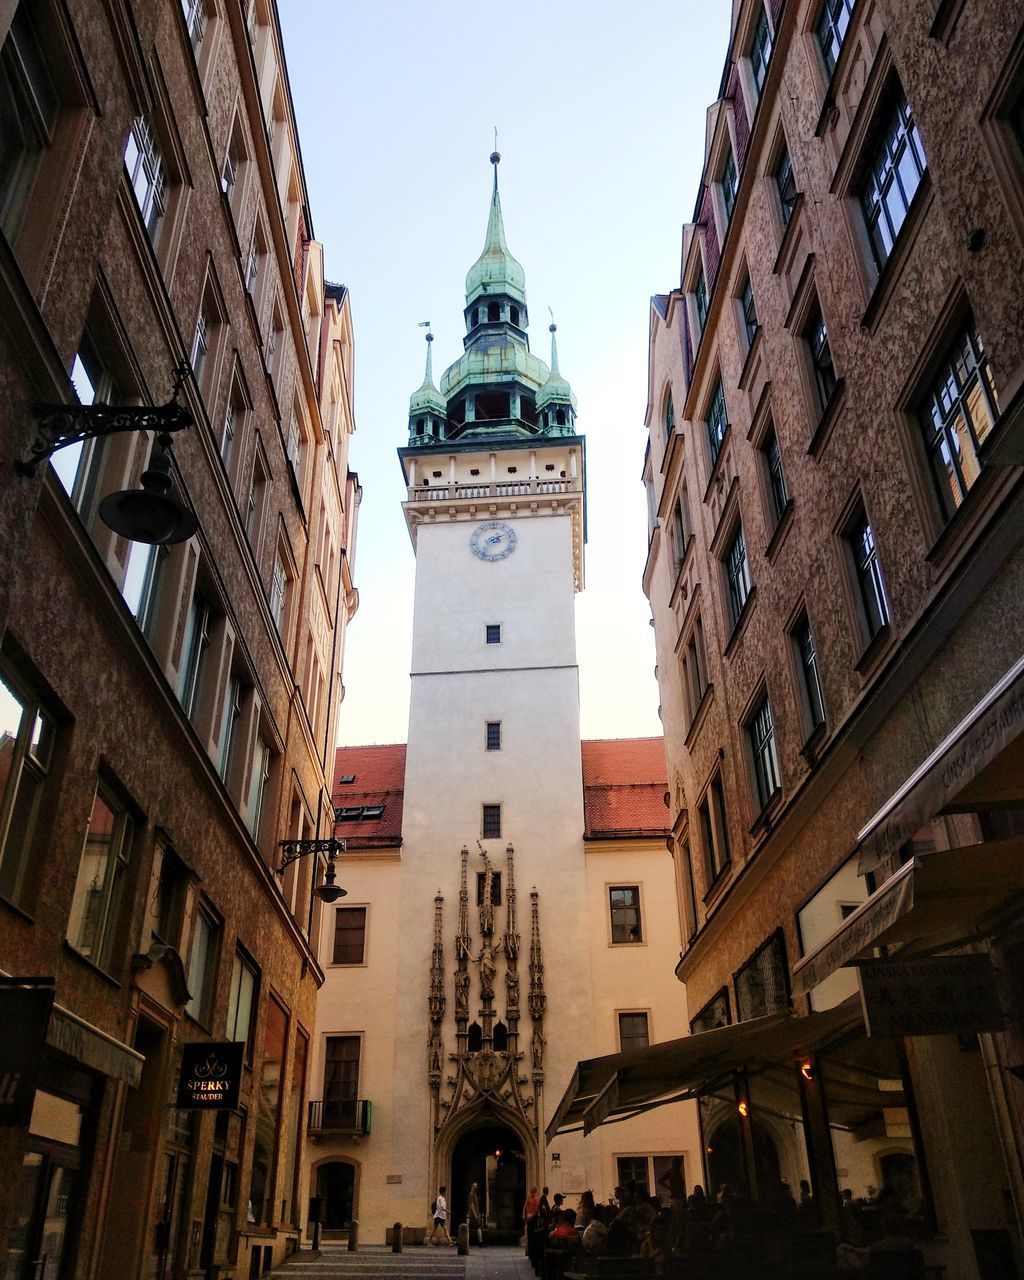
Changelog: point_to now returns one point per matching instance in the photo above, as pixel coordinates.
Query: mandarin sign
(211, 1075)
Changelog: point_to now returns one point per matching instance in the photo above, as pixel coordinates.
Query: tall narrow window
(258, 779)
(728, 184)
(341, 1081)
(491, 821)
(29, 109)
(141, 583)
(493, 735)
(349, 935)
(717, 421)
(761, 735)
(256, 505)
(714, 831)
(956, 415)
(76, 465)
(624, 905)
(197, 641)
(95, 910)
(145, 169)
(897, 166)
(776, 479)
(195, 21)
(680, 520)
(230, 719)
(27, 736)
(748, 311)
(201, 344)
(760, 50)
(241, 1002)
(279, 592)
(700, 298)
(737, 571)
(785, 185)
(695, 668)
(807, 657)
(822, 365)
(493, 635)
(832, 25)
(202, 966)
(871, 588)
(633, 1032)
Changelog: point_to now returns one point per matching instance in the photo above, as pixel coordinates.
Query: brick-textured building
(167, 715)
(836, 572)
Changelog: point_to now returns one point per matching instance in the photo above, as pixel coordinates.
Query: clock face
(493, 540)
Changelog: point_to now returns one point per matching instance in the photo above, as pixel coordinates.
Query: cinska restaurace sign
(211, 1075)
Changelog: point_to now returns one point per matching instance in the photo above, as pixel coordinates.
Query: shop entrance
(492, 1156)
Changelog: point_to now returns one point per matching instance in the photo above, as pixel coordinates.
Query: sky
(600, 111)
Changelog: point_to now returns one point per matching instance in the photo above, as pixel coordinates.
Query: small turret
(556, 404)
(427, 409)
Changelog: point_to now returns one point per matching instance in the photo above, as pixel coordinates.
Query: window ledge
(827, 421)
(788, 234)
(778, 537)
(91, 964)
(877, 645)
(817, 736)
(700, 715)
(890, 273)
(975, 506)
(748, 360)
(741, 622)
(718, 884)
(765, 820)
(16, 910)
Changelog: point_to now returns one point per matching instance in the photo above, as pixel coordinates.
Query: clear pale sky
(600, 111)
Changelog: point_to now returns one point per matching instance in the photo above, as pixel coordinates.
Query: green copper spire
(555, 387)
(495, 272)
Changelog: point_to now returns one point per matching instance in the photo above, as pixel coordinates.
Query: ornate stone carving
(436, 1001)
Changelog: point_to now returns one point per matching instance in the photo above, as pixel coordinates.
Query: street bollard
(396, 1238)
(353, 1236)
(463, 1239)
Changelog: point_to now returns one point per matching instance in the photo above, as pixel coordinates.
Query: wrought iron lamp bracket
(60, 425)
(292, 850)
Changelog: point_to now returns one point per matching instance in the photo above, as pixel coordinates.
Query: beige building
(510, 898)
(835, 572)
(167, 712)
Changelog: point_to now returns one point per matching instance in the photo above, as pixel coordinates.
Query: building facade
(167, 713)
(509, 895)
(835, 573)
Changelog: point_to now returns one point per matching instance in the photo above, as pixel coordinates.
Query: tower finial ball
(495, 157)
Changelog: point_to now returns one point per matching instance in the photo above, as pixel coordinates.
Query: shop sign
(24, 1015)
(211, 1075)
(935, 996)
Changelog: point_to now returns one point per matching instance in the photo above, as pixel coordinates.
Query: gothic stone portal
(492, 1156)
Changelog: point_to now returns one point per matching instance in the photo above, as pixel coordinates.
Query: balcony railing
(352, 1115)
(503, 489)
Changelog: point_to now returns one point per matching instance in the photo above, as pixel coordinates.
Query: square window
(761, 737)
(349, 935)
(895, 169)
(785, 185)
(717, 421)
(737, 572)
(493, 735)
(494, 633)
(633, 1033)
(27, 733)
(491, 821)
(624, 903)
(94, 924)
(956, 414)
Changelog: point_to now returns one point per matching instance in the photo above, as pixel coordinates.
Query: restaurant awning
(936, 901)
(980, 763)
(621, 1084)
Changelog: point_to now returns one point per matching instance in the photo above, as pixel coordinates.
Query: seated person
(595, 1237)
(564, 1230)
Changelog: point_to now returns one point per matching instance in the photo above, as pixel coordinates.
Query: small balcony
(351, 1115)
(526, 487)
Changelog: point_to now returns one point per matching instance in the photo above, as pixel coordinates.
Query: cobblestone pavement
(416, 1262)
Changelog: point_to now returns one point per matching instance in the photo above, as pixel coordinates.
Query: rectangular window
(728, 182)
(268, 1089)
(634, 1173)
(256, 505)
(776, 479)
(749, 311)
(695, 668)
(956, 415)
(785, 185)
(700, 298)
(202, 966)
(737, 572)
(624, 904)
(832, 25)
(871, 588)
(760, 51)
(230, 719)
(258, 779)
(714, 832)
(145, 169)
(689, 895)
(241, 1002)
(494, 633)
(29, 111)
(27, 736)
(633, 1031)
(341, 1079)
(816, 336)
(349, 935)
(279, 592)
(491, 821)
(77, 465)
(762, 984)
(481, 879)
(895, 172)
(761, 735)
(95, 910)
(807, 657)
(197, 643)
(252, 267)
(717, 421)
(195, 21)
(679, 520)
(493, 735)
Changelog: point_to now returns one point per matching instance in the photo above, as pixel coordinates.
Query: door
(35, 1247)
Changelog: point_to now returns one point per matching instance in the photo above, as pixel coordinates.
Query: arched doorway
(336, 1185)
(492, 1156)
(726, 1165)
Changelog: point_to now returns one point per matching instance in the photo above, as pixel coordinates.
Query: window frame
(492, 633)
(634, 1040)
(738, 579)
(242, 963)
(865, 568)
(25, 763)
(805, 654)
(783, 175)
(762, 746)
(894, 134)
(120, 847)
(750, 325)
(714, 832)
(490, 821)
(492, 735)
(762, 48)
(148, 171)
(623, 908)
(716, 421)
(819, 348)
(775, 473)
(349, 910)
(834, 17)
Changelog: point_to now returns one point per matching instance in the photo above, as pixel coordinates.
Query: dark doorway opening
(335, 1184)
(492, 1156)
(726, 1164)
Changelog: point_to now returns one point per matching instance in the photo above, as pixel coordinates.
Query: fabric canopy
(620, 1084)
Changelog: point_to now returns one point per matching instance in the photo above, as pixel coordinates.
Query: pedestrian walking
(440, 1218)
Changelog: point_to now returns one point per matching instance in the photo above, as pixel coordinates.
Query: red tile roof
(378, 779)
(624, 785)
